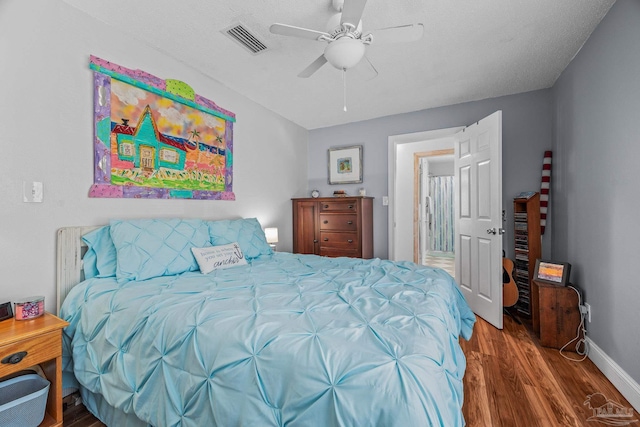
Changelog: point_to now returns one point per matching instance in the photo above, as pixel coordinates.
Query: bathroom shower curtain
(442, 223)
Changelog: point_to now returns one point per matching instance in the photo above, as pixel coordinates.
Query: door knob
(492, 231)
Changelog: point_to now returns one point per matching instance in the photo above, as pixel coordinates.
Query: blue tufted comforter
(295, 340)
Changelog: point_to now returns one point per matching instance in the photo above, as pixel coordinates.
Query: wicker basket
(23, 401)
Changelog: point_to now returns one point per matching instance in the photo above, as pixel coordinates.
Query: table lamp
(271, 233)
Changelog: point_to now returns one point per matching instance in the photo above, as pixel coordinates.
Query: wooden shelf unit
(528, 248)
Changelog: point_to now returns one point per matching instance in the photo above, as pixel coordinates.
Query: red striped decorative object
(544, 190)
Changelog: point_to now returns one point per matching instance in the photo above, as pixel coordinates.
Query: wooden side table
(41, 339)
(555, 314)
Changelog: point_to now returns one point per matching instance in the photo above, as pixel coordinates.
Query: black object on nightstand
(5, 311)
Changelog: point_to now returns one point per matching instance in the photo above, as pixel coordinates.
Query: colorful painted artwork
(156, 138)
(344, 165)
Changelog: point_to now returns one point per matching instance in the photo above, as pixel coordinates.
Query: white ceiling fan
(346, 43)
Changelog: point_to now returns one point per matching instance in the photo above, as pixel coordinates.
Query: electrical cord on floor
(580, 342)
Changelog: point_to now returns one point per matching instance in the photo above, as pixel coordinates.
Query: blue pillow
(247, 232)
(100, 259)
(149, 248)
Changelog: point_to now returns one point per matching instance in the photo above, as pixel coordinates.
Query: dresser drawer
(339, 206)
(339, 222)
(39, 349)
(339, 240)
(338, 252)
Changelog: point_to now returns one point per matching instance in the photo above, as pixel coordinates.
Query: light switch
(32, 192)
(385, 200)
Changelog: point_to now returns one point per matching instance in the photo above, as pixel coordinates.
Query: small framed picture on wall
(345, 165)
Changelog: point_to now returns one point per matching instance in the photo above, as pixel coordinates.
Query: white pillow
(218, 257)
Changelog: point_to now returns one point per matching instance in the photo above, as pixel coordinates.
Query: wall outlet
(587, 307)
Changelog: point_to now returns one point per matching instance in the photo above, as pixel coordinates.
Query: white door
(478, 213)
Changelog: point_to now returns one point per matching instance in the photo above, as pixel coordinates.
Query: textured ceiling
(471, 50)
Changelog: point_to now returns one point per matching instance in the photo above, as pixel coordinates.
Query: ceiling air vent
(239, 33)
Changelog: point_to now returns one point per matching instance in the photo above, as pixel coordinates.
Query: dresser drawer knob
(326, 221)
(326, 239)
(349, 241)
(14, 358)
(349, 222)
(350, 206)
(326, 206)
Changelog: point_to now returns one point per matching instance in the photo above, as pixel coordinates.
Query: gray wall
(46, 134)
(595, 193)
(526, 129)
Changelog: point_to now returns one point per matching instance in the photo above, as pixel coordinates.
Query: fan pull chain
(344, 86)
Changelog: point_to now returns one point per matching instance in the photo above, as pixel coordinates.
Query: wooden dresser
(333, 226)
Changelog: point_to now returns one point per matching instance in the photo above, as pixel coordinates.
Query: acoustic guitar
(510, 293)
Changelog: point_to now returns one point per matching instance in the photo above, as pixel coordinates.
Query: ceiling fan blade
(313, 67)
(400, 34)
(365, 70)
(352, 12)
(290, 30)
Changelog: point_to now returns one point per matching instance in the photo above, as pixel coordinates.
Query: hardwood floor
(511, 381)
(78, 416)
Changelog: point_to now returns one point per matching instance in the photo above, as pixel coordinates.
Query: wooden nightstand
(41, 338)
(555, 314)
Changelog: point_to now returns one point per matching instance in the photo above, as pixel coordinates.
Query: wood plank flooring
(78, 416)
(511, 381)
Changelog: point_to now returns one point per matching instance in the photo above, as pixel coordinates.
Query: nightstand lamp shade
(271, 233)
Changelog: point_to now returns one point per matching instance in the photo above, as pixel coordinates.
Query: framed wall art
(345, 165)
(157, 139)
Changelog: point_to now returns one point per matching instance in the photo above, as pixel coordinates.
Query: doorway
(434, 233)
(403, 185)
(478, 207)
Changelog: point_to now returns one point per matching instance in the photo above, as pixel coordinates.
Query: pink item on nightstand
(29, 308)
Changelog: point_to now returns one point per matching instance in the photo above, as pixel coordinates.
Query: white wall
(46, 128)
(444, 168)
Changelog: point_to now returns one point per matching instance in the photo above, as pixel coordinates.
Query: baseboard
(627, 386)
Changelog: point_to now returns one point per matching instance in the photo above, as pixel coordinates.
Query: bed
(263, 339)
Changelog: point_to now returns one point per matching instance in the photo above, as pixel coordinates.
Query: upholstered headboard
(69, 252)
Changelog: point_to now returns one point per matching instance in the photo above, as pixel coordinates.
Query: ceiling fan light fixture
(344, 53)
